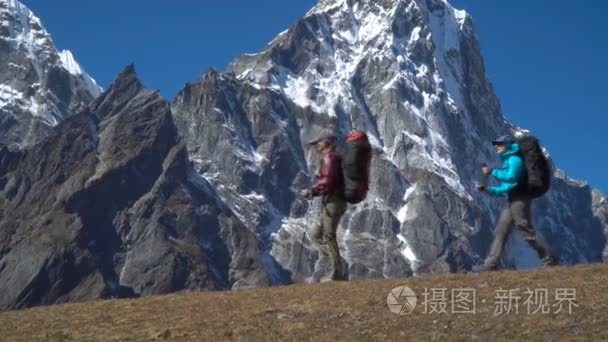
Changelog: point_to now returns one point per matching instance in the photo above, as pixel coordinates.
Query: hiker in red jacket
(329, 185)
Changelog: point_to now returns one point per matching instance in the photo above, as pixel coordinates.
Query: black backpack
(356, 163)
(538, 167)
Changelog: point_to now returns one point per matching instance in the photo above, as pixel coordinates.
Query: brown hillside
(336, 311)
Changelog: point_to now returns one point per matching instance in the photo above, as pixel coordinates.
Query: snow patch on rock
(69, 63)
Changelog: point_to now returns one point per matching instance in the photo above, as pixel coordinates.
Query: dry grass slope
(338, 311)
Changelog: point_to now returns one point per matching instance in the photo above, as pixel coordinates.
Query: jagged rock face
(39, 86)
(410, 73)
(131, 197)
(108, 205)
(600, 210)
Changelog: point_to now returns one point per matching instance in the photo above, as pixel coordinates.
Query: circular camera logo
(401, 300)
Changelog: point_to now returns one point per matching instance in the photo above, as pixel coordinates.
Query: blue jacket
(511, 174)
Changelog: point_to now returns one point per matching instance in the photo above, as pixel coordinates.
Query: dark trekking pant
(517, 212)
(333, 209)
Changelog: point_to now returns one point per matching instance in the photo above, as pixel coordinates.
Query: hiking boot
(330, 278)
(483, 268)
(549, 262)
(334, 275)
(326, 279)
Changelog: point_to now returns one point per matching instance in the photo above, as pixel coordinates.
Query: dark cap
(324, 135)
(503, 140)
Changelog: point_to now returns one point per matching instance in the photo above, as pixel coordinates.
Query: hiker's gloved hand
(482, 188)
(306, 193)
(486, 170)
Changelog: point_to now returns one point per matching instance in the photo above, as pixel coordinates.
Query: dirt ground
(344, 311)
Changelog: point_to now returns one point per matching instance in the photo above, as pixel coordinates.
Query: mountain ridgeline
(128, 195)
(39, 85)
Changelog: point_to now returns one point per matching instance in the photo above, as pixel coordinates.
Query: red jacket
(329, 177)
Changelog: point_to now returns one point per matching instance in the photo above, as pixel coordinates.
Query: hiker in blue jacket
(517, 210)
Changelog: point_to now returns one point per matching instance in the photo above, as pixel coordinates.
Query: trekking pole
(485, 178)
(298, 191)
(302, 243)
(301, 250)
(309, 202)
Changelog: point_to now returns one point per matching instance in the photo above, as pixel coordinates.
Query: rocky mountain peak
(125, 87)
(133, 196)
(411, 74)
(23, 27)
(39, 85)
(108, 205)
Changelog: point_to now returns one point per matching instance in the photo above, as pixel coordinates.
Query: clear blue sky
(546, 58)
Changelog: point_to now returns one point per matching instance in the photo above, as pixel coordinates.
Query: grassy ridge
(335, 311)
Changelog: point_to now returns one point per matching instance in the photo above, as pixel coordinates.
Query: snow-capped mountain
(132, 196)
(39, 85)
(411, 74)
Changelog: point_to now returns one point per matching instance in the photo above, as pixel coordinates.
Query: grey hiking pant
(517, 212)
(333, 209)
